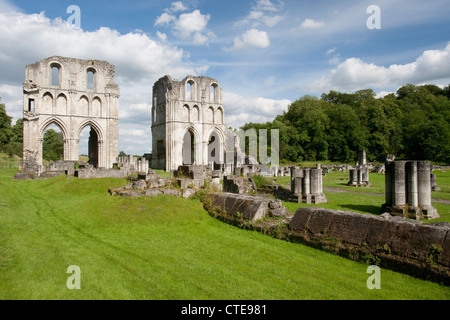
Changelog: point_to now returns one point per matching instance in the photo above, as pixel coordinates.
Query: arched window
(88, 146)
(214, 93)
(210, 115)
(55, 76)
(61, 104)
(47, 104)
(219, 116)
(190, 90)
(214, 148)
(185, 114)
(188, 148)
(91, 79)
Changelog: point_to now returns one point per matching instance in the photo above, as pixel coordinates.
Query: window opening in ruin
(52, 145)
(55, 76)
(189, 148)
(30, 105)
(189, 91)
(88, 146)
(213, 94)
(90, 79)
(214, 149)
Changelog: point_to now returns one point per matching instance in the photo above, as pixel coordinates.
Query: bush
(261, 181)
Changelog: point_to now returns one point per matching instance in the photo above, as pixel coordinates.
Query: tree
(411, 124)
(5, 127)
(345, 134)
(53, 146)
(17, 130)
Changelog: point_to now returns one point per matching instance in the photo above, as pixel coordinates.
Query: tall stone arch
(215, 152)
(62, 125)
(96, 142)
(72, 104)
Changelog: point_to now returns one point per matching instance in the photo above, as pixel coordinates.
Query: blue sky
(265, 54)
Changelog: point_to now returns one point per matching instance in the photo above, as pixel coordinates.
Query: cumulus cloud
(240, 110)
(251, 39)
(7, 6)
(354, 73)
(164, 18)
(264, 12)
(187, 26)
(189, 23)
(178, 6)
(312, 24)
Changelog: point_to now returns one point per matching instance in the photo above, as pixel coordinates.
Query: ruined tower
(188, 126)
(72, 94)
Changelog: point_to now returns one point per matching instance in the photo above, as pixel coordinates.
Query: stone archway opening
(52, 144)
(88, 147)
(214, 149)
(189, 148)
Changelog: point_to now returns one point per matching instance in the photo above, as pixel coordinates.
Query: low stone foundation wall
(405, 245)
(408, 246)
(100, 173)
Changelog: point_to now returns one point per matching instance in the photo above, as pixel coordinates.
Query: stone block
(279, 212)
(187, 183)
(187, 193)
(140, 184)
(171, 192)
(153, 192)
(275, 204)
(251, 208)
(130, 193)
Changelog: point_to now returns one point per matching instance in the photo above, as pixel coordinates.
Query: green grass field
(162, 248)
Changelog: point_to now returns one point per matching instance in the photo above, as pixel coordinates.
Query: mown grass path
(161, 248)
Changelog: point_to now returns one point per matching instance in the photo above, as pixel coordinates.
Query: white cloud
(164, 19)
(162, 36)
(264, 12)
(355, 74)
(188, 26)
(252, 38)
(189, 23)
(178, 6)
(332, 50)
(335, 60)
(7, 6)
(312, 24)
(12, 97)
(240, 110)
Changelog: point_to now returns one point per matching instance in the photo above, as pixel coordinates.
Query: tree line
(412, 124)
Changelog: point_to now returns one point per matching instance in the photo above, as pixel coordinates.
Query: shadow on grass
(364, 208)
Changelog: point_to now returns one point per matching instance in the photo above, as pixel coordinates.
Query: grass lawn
(162, 248)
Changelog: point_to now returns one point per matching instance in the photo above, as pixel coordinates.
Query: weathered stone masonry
(408, 189)
(188, 124)
(72, 94)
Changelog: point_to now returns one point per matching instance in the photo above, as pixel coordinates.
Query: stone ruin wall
(193, 107)
(58, 90)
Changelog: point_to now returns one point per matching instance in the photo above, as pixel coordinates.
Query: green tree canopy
(53, 145)
(5, 127)
(413, 123)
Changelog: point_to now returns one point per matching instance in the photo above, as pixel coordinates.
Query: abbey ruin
(71, 94)
(188, 123)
